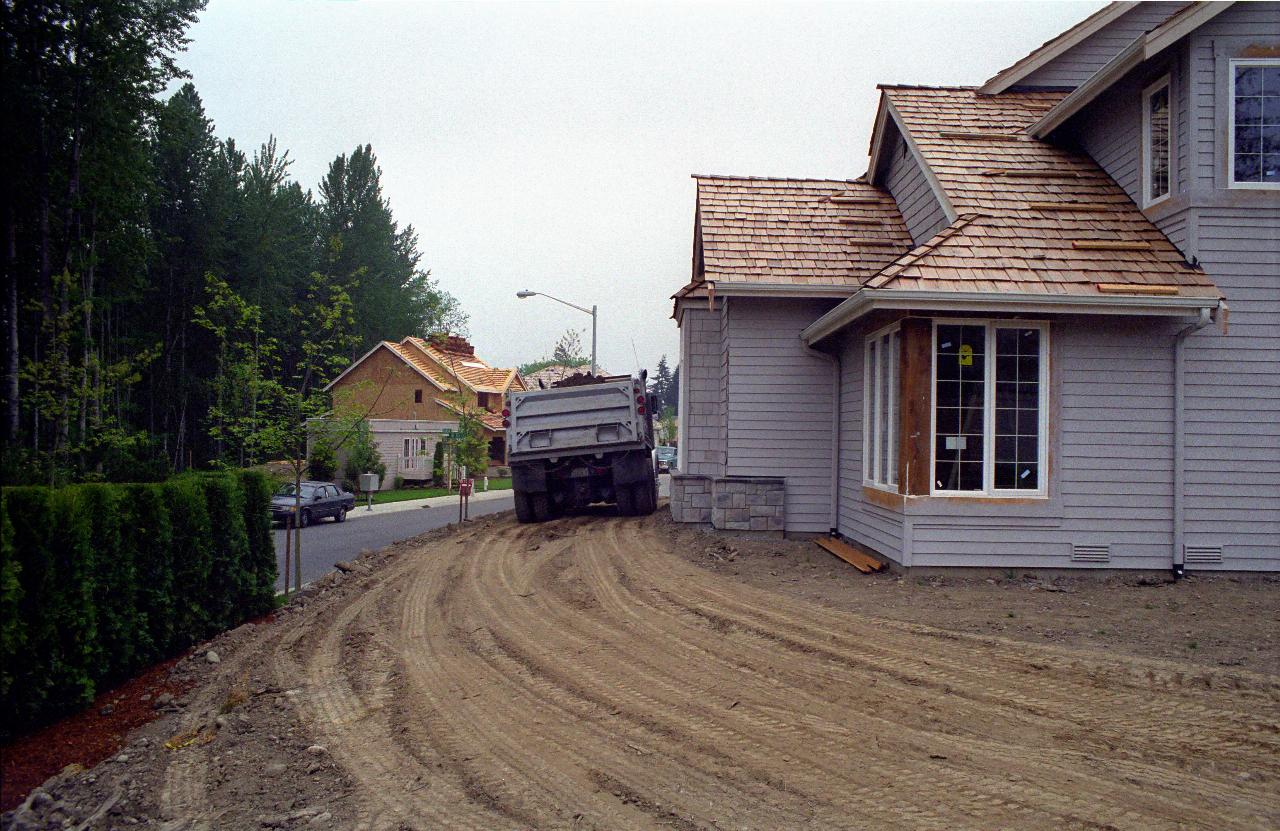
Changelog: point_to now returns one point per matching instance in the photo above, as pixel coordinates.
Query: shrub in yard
(363, 457)
(146, 532)
(323, 464)
(98, 580)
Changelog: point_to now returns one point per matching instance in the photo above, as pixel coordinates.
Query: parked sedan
(319, 500)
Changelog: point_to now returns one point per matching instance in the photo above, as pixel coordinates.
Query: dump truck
(575, 445)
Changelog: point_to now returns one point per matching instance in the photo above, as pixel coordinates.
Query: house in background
(411, 392)
(1008, 343)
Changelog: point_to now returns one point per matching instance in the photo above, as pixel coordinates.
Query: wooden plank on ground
(857, 558)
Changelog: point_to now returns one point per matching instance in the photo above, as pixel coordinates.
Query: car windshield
(308, 491)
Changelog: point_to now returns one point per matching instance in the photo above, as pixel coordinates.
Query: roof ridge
(955, 87)
(729, 177)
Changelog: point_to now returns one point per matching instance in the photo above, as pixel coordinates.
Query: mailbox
(368, 482)
(465, 487)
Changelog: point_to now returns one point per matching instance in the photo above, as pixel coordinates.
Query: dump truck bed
(569, 421)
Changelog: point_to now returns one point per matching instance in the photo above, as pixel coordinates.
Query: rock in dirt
(162, 700)
(212, 657)
(320, 819)
(316, 750)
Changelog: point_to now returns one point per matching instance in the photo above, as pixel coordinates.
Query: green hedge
(99, 581)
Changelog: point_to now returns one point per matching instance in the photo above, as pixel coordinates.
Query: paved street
(327, 542)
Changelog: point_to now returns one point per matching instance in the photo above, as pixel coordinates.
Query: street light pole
(592, 311)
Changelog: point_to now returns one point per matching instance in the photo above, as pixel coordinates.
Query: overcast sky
(549, 145)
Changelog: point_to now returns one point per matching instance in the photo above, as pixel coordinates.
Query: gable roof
(1033, 217)
(455, 357)
(798, 232)
(414, 362)
(1145, 47)
(1055, 47)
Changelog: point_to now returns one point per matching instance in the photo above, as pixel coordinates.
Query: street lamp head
(525, 293)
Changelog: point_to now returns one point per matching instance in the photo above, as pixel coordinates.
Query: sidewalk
(361, 510)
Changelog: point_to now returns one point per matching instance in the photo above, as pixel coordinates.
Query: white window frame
(989, 491)
(872, 397)
(1147, 199)
(1231, 123)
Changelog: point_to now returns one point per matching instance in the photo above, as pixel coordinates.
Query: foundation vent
(1202, 554)
(1090, 553)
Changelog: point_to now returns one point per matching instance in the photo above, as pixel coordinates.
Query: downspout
(835, 433)
(1179, 438)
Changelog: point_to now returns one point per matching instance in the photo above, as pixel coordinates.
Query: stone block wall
(731, 503)
(690, 497)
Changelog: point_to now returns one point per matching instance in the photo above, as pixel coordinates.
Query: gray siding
(1233, 381)
(1073, 68)
(1227, 35)
(920, 208)
(878, 528)
(1233, 393)
(700, 367)
(779, 405)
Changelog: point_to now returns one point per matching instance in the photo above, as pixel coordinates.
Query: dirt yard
(610, 673)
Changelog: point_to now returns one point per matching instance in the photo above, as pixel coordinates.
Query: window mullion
(989, 419)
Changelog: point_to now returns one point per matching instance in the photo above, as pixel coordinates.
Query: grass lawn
(423, 493)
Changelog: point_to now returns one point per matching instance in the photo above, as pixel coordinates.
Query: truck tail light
(640, 400)
(506, 413)
(640, 409)
(506, 422)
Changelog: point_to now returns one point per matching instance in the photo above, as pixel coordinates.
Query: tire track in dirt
(580, 674)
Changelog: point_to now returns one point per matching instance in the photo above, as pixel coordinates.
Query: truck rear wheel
(524, 507)
(646, 498)
(626, 500)
(541, 504)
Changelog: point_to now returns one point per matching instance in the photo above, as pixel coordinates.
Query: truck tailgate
(571, 419)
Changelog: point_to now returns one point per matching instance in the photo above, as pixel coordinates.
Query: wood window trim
(1148, 201)
(873, 393)
(989, 493)
(1232, 63)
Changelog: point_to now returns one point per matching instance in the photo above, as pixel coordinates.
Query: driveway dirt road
(582, 674)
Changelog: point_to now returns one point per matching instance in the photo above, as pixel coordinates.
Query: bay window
(881, 408)
(1254, 146)
(990, 408)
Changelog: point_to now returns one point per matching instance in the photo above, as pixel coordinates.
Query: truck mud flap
(630, 468)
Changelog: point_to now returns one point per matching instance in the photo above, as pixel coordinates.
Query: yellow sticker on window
(966, 355)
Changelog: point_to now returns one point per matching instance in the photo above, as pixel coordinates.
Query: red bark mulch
(85, 738)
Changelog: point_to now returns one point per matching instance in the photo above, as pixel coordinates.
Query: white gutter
(868, 300)
(1179, 439)
(781, 290)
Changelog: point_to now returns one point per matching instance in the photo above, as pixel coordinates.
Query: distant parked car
(319, 500)
(665, 457)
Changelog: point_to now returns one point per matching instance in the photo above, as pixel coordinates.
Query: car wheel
(306, 518)
(341, 515)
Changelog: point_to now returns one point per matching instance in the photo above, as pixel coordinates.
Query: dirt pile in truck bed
(600, 672)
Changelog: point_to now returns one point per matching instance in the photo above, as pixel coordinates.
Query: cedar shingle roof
(1032, 217)
(757, 230)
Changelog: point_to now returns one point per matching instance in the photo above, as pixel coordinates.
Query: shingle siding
(779, 405)
(1073, 68)
(921, 210)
